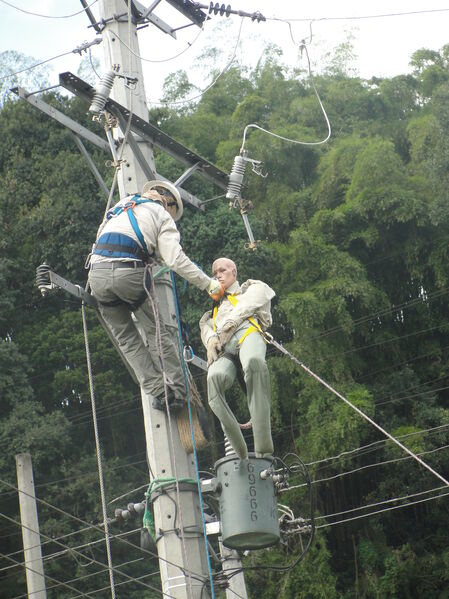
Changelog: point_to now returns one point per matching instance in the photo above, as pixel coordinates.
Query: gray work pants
(126, 284)
(220, 377)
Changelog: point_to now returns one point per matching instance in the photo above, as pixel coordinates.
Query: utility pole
(34, 566)
(182, 557)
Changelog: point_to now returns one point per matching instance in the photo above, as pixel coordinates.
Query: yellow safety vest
(254, 328)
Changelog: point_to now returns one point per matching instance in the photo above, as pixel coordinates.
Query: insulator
(102, 92)
(216, 8)
(228, 447)
(43, 281)
(236, 178)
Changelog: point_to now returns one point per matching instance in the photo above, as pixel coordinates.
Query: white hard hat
(169, 192)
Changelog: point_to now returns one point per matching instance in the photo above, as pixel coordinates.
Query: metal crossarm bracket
(149, 132)
(75, 290)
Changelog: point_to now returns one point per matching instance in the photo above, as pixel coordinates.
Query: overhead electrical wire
(51, 578)
(75, 552)
(396, 507)
(374, 465)
(363, 448)
(359, 17)
(35, 14)
(383, 502)
(211, 85)
(303, 45)
(190, 44)
(34, 65)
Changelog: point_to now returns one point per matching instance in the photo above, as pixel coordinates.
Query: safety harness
(254, 328)
(119, 245)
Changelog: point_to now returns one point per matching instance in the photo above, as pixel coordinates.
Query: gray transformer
(248, 505)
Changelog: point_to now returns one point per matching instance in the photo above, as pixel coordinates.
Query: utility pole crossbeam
(147, 131)
(32, 550)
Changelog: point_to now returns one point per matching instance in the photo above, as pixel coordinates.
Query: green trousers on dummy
(126, 284)
(221, 375)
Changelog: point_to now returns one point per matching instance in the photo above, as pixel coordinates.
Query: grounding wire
(81, 555)
(287, 139)
(34, 14)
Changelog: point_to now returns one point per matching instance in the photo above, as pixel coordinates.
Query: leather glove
(215, 289)
(227, 331)
(213, 349)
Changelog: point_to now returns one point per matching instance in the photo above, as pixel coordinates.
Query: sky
(383, 45)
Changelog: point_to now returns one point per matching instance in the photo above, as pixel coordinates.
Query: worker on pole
(232, 333)
(138, 233)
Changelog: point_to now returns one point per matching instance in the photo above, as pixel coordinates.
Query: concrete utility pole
(178, 558)
(34, 565)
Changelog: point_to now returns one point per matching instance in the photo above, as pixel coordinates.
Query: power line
(392, 461)
(363, 448)
(77, 50)
(93, 560)
(35, 14)
(47, 576)
(383, 312)
(78, 519)
(190, 44)
(360, 17)
(228, 65)
(384, 502)
(395, 338)
(396, 507)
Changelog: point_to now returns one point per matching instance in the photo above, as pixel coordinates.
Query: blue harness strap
(119, 245)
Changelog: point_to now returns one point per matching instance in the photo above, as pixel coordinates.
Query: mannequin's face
(225, 271)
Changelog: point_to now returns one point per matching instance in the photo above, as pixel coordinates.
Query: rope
(170, 426)
(195, 456)
(282, 349)
(98, 451)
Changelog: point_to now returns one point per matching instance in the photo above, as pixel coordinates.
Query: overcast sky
(383, 45)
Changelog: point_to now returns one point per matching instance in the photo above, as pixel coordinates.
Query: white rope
(99, 460)
(355, 408)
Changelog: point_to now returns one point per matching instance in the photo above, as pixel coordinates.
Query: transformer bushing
(248, 505)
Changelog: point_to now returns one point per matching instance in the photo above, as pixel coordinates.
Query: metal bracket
(149, 132)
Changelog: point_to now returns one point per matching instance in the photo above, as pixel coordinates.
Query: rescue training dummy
(137, 231)
(230, 333)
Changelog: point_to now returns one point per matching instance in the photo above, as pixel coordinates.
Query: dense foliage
(354, 241)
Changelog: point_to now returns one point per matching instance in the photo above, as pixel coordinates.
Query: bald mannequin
(232, 342)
